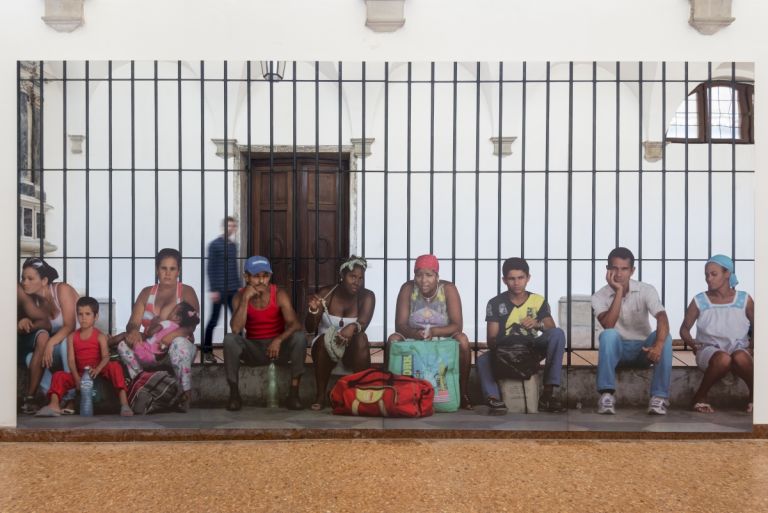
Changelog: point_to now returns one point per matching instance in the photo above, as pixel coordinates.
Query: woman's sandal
(319, 405)
(465, 404)
(703, 408)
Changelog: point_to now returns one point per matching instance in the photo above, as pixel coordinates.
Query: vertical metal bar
(733, 162)
(664, 184)
(546, 181)
(202, 181)
(569, 236)
(87, 179)
(317, 175)
(685, 187)
(157, 158)
(618, 149)
(498, 174)
(296, 248)
(64, 145)
(180, 174)
(708, 124)
(453, 167)
(247, 222)
(477, 200)
(133, 179)
(41, 163)
(432, 157)
(109, 197)
(21, 168)
(226, 190)
(386, 199)
(271, 159)
(523, 140)
(594, 194)
(362, 209)
(340, 176)
(408, 180)
(640, 171)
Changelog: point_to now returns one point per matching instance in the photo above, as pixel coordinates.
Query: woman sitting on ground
(155, 304)
(339, 314)
(723, 317)
(430, 308)
(47, 310)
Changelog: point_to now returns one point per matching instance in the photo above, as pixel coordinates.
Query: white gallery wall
(510, 32)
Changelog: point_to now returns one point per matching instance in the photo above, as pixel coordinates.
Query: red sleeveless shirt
(87, 351)
(265, 323)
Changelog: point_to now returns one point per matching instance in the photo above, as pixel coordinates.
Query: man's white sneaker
(606, 404)
(657, 406)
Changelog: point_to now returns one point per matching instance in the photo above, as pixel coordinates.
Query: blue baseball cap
(258, 264)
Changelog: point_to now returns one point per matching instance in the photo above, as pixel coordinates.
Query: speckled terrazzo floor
(387, 475)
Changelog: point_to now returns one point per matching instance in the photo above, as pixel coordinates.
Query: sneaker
(606, 404)
(209, 358)
(496, 407)
(551, 404)
(657, 406)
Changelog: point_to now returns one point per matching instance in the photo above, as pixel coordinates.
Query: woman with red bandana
(430, 308)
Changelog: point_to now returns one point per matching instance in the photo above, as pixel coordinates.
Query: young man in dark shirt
(518, 311)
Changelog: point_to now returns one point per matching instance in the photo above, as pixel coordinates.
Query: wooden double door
(300, 219)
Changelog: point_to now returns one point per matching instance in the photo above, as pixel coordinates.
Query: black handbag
(515, 357)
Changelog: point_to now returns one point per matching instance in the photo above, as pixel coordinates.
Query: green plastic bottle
(272, 401)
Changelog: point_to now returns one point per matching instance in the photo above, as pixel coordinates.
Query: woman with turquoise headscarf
(724, 319)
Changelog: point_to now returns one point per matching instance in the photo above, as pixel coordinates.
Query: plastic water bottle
(272, 386)
(86, 393)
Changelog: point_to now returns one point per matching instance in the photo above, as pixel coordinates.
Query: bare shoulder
(66, 289)
(282, 295)
(188, 291)
(448, 285)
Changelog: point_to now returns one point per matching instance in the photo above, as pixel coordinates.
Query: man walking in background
(223, 279)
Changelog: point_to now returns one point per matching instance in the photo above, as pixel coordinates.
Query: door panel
(285, 225)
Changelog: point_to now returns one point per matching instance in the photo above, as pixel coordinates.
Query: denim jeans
(615, 351)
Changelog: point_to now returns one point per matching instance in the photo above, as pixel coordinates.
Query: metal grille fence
(475, 162)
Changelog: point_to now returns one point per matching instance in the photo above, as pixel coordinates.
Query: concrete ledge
(210, 387)
(633, 385)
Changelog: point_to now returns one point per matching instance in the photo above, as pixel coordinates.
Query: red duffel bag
(377, 393)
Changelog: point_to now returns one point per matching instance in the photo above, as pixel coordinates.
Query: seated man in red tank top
(272, 332)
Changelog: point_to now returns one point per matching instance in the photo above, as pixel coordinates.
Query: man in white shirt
(622, 308)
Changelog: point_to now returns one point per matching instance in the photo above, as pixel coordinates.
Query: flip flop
(126, 411)
(703, 408)
(47, 411)
(67, 411)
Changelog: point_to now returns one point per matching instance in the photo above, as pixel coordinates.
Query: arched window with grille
(717, 111)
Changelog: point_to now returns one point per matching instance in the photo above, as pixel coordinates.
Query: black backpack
(514, 357)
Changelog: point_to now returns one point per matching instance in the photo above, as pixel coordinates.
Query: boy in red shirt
(86, 347)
